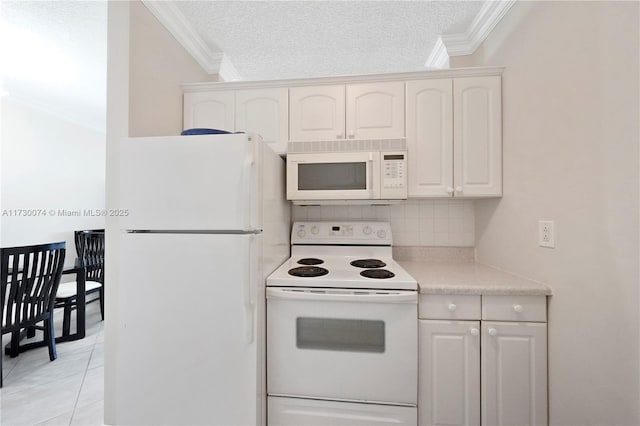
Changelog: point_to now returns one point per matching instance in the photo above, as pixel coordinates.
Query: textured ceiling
(54, 57)
(289, 39)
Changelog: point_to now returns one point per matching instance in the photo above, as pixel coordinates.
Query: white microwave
(369, 177)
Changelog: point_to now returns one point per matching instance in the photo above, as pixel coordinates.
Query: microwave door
(333, 176)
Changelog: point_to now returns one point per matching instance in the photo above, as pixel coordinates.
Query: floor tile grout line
(75, 405)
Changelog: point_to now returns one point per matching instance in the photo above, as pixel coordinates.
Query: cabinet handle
(474, 331)
(452, 307)
(351, 135)
(492, 331)
(458, 189)
(449, 189)
(339, 136)
(518, 308)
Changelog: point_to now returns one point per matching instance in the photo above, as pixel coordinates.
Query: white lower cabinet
(514, 373)
(284, 411)
(486, 368)
(449, 364)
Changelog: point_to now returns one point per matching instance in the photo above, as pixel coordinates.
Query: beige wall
(158, 65)
(570, 93)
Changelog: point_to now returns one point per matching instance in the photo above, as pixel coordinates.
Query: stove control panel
(339, 232)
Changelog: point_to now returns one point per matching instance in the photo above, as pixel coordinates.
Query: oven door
(346, 345)
(333, 176)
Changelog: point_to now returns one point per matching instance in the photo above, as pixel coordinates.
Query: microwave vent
(347, 145)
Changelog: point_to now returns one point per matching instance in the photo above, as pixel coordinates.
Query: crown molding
(466, 43)
(438, 57)
(349, 79)
(484, 22)
(178, 25)
(227, 71)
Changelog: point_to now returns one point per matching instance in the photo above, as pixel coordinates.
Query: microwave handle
(374, 169)
(410, 297)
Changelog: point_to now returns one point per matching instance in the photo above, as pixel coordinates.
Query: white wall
(158, 65)
(49, 164)
(571, 114)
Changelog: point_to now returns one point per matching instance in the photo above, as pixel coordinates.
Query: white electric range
(341, 330)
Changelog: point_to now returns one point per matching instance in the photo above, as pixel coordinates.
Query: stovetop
(322, 256)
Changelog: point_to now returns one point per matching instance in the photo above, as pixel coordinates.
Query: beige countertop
(460, 277)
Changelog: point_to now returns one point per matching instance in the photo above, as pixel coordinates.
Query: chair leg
(101, 292)
(49, 336)
(15, 344)
(66, 319)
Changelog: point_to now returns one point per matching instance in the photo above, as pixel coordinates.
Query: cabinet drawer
(449, 307)
(514, 308)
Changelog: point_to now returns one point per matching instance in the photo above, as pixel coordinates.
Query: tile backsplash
(431, 223)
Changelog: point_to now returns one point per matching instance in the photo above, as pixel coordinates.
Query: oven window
(332, 176)
(334, 334)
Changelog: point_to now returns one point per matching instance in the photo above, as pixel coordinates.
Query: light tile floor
(67, 391)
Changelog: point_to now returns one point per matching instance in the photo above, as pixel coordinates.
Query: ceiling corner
(227, 71)
(484, 22)
(175, 22)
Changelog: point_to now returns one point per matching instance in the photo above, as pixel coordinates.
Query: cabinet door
(316, 113)
(375, 111)
(263, 111)
(449, 368)
(514, 373)
(430, 138)
(213, 110)
(477, 140)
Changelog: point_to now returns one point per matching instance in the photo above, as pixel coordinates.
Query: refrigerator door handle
(249, 298)
(247, 180)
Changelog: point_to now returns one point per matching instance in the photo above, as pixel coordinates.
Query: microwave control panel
(394, 174)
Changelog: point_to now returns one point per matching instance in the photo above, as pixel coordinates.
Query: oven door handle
(331, 295)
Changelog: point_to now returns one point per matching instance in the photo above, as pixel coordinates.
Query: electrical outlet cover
(546, 235)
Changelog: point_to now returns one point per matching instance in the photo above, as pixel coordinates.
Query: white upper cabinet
(375, 110)
(355, 111)
(212, 110)
(316, 113)
(430, 137)
(263, 111)
(454, 135)
(477, 140)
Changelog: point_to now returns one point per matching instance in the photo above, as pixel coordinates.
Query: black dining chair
(90, 245)
(30, 276)
(77, 236)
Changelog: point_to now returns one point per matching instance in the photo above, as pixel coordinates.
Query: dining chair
(90, 245)
(78, 239)
(30, 276)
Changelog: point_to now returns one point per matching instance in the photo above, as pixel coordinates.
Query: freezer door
(186, 335)
(205, 182)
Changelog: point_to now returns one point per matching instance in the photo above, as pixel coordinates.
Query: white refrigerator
(206, 222)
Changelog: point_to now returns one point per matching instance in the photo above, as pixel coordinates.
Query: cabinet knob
(458, 189)
(474, 331)
(452, 307)
(518, 308)
(449, 189)
(339, 136)
(352, 135)
(492, 331)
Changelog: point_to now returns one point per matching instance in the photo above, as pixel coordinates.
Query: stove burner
(308, 271)
(377, 273)
(310, 261)
(368, 263)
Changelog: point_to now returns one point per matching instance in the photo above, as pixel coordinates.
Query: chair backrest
(92, 254)
(29, 276)
(77, 235)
